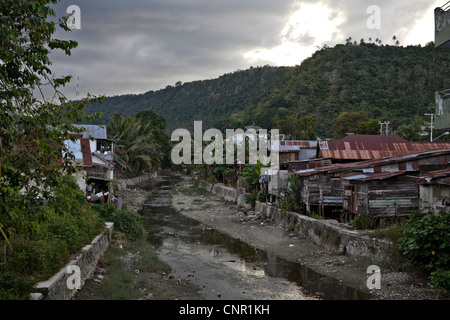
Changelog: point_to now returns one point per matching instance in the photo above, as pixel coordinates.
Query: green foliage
(412, 131)
(260, 196)
(38, 258)
(105, 211)
(363, 222)
(307, 128)
(251, 175)
(137, 148)
(391, 83)
(425, 241)
(34, 158)
(43, 215)
(126, 221)
(250, 198)
(288, 204)
(13, 287)
(354, 122)
(130, 223)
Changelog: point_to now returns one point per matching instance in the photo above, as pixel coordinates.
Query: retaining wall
(226, 193)
(124, 183)
(327, 233)
(56, 287)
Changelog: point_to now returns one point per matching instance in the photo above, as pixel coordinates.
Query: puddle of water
(226, 268)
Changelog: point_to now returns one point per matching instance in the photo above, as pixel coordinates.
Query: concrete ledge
(332, 235)
(124, 183)
(205, 185)
(227, 193)
(56, 287)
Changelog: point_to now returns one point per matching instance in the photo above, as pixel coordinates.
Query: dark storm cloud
(133, 46)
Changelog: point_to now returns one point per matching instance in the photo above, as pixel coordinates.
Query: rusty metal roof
(292, 145)
(373, 163)
(372, 147)
(374, 176)
(441, 176)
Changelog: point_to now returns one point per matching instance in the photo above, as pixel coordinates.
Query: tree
(137, 148)
(413, 131)
(307, 128)
(288, 125)
(368, 127)
(33, 130)
(352, 122)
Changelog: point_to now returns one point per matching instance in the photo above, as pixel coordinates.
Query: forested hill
(391, 83)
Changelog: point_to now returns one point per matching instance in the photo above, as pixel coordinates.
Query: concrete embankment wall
(327, 233)
(57, 288)
(227, 193)
(124, 183)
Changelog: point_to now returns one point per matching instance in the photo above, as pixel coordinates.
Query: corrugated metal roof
(375, 176)
(81, 150)
(94, 131)
(442, 176)
(372, 147)
(373, 163)
(292, 145)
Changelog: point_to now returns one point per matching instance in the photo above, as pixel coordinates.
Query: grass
(132, 272)
(392, 232)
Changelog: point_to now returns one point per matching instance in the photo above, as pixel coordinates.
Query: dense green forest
(390, 83)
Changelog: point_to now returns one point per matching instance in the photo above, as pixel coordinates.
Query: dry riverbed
(212, 212)
(266, 235)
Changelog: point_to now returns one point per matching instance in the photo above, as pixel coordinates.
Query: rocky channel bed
(257, 231)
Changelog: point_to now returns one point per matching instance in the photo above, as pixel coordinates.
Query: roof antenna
(78, 87)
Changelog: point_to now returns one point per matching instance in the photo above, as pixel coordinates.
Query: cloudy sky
(134, 46)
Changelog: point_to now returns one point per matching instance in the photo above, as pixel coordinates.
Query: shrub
(130, 223)
(363, 222)
(105, 211)
(425, 241)
(12, 287)
(250, 198)
(38, 258)
(260, 196)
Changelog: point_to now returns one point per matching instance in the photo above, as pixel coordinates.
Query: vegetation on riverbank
(130, 268)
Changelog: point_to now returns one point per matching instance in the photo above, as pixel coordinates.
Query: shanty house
(434, 190)
(99, 142)
(377, 188)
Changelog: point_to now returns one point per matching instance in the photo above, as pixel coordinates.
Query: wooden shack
(381, 188)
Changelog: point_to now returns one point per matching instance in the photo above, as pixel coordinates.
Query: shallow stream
(226, 268)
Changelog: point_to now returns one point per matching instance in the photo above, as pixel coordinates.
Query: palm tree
(136, 146)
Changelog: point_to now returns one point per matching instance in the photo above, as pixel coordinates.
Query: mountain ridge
(387, 82)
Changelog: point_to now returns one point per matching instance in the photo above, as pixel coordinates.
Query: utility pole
(432, 115)
(386, 132)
